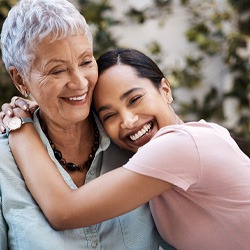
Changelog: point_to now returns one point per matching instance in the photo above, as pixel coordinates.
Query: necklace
(70, 165)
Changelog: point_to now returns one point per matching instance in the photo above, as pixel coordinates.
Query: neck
(175, 118)
(72, 134)
(74, 143)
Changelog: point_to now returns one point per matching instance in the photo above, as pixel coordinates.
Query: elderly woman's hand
(17, 107)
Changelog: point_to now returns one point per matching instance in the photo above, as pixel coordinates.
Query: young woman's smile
(124, 110)
(140, 135)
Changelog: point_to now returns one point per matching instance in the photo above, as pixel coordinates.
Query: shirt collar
(104, 138)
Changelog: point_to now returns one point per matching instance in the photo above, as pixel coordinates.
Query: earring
(26, 94)
(170, 100)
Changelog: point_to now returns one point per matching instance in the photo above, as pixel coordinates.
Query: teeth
(146, 128)
(78, 98)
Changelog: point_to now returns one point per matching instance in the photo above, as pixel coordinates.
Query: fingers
(24, 104)
(4, 118)
(32, 106)
(7, 109)
(18, 102)
(2, 127)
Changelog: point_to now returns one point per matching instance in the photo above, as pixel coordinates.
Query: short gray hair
(30, 21)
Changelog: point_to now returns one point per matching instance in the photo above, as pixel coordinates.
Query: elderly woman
(47, 50)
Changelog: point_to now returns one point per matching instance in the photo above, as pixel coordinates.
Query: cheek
(99, 97)
(93, 74)
(47, 97)
(94, 77)
(41, 86)
(111, 130)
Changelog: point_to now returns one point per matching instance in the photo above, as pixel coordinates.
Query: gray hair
(30, 21)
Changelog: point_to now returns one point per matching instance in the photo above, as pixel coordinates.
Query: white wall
(171, 36)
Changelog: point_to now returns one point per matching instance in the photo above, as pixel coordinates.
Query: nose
(78, 80)
(128, 120)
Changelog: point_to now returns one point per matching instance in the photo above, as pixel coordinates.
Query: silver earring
(26, 94)
(170, 100)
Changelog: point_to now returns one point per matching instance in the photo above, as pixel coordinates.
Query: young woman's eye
(108, 116)
(134, 99)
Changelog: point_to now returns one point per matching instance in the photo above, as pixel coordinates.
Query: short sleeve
(172, 156)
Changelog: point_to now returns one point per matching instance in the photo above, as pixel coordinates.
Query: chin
(131, 148)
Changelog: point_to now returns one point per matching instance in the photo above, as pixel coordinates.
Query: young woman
(194, 175)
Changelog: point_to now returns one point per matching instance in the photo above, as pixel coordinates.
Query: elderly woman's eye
(86, 62)
(56, 71)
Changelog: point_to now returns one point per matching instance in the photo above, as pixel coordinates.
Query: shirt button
(94, 244)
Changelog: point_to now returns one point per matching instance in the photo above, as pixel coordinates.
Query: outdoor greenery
(207, 33)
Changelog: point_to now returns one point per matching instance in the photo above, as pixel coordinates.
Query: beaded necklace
(70, 165)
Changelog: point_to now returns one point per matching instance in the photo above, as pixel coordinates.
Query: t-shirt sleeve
(171, 156)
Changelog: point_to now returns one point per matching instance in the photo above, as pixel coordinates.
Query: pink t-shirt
(209, 207)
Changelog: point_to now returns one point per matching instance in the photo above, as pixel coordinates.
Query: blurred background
(203, 47)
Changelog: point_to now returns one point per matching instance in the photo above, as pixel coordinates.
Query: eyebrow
(126, 94)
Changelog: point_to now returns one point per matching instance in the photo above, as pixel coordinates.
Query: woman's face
(62, 79)
(131, 109)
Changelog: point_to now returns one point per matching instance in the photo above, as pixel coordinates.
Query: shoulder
(173, 147)
(175, 137)
(8, 167)
(5, 151)
(171, 156)
(192, 133)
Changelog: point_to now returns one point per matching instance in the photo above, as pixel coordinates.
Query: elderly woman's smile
(63, 77)
(76, 100)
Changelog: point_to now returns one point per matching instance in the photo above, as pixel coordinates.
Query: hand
(17, 112)
(16, 107)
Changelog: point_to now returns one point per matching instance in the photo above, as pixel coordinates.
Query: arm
(110, 195)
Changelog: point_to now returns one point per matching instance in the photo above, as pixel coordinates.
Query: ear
(165, 86)
(18, 80)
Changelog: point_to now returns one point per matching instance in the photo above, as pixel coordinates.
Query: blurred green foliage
(208, 35)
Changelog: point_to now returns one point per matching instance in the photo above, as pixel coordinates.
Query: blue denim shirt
(24, 227)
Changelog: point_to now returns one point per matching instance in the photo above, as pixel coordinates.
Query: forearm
(63, 207)
(108, 196)
(41, 176)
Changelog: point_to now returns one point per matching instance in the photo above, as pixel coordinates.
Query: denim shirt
(24, 227)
